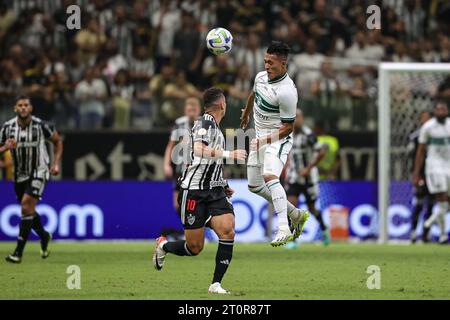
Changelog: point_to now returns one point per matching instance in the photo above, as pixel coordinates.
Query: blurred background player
(6, 166)
(180, 134)
(434, 141)
(25, 136)
(204, 193)
(302, 175)
(274, 104)
(421, 193)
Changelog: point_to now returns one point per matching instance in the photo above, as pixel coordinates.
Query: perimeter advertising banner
(141, 210)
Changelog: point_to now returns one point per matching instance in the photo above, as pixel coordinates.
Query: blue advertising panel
(141, 210)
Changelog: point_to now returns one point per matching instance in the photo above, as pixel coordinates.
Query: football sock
(264, 192)
(178, 248)
(37, 226)
(442, 208)
(223, 259)
(279, 201)
(415, 216)
(24, 232)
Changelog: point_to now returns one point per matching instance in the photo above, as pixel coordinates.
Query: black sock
(24, 232)
(415, 216)
(318, 216)
(178, 248)
(429, 210)
(223, 259)
(37, 226)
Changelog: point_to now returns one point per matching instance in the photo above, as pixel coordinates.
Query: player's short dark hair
(279, 48)
(440, 101)
(211, 95)
(22, 97)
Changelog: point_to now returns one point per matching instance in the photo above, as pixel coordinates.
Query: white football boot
(282, 237)
(159, 255)
(217, 288)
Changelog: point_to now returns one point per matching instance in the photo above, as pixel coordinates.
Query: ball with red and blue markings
(219, 41)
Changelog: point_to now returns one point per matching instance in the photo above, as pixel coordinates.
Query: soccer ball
(219, 41)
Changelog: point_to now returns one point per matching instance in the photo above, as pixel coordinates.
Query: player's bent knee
(27, 208)
(195, 247)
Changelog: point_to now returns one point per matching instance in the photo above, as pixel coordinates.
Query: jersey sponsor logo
(259, 115)
(213, 184)
(27, 144)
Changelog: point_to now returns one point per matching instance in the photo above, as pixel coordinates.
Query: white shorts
(438, 182)
(271, 158)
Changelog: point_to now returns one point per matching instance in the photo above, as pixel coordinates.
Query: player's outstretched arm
(420, 157)
(58, 150)
(245, 116)
(285, 130)
(203, 151)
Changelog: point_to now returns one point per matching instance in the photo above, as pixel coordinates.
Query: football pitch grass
(123, 270)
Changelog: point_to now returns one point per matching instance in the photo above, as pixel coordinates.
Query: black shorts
(197, 207)
(421, 191)
(310, 191)
(33, 187)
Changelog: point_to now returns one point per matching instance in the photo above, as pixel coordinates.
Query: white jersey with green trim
(436, 136)
(275, 103)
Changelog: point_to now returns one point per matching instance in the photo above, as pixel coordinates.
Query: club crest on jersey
(191, 220)
(202, 132)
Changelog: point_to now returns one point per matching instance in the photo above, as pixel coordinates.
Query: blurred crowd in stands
(132, 63)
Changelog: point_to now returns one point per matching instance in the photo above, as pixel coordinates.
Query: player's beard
(441, 119)
(23, 117)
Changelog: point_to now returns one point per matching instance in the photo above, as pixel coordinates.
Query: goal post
(404, 90)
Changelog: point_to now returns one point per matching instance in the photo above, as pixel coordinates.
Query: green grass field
(124, 271)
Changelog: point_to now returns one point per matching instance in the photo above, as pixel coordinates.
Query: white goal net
(405, 90)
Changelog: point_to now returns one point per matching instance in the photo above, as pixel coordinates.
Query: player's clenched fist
(239, 154)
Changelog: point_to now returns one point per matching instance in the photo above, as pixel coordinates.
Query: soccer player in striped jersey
(26, 135)
(302, 175)
(204, 194)
(434, 141)
(274, 104)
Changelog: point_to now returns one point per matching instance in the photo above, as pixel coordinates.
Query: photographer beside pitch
(204, 193)
(25, 136)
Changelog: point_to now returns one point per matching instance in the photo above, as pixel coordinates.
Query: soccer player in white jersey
(274, 104)
(435, 139)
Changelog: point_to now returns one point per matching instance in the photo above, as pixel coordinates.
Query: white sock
(441, 221)
(279, 201)
(442, 208)
(264, 192)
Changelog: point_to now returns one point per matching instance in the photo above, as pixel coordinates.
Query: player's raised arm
(245, 116)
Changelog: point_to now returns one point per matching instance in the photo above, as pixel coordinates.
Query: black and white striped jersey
(202, 173)
(30, 156)
(305, 147)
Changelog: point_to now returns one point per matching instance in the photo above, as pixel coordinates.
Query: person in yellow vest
(329, 165)
(6, 166)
